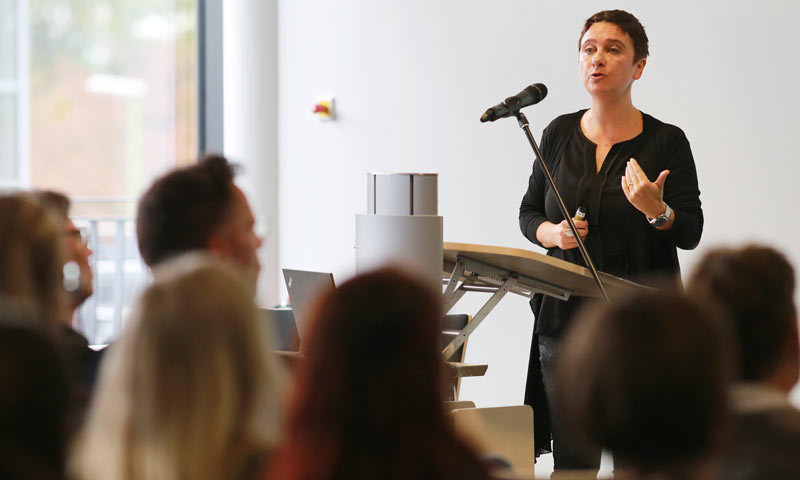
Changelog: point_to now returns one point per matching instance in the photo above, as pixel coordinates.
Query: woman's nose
(598, 58)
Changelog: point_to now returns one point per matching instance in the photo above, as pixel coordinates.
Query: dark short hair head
(181, 210)
(627, 23)
(645, 377)
(755, 285)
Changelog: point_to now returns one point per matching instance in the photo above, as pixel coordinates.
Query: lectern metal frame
(472, 275)
(471, 271)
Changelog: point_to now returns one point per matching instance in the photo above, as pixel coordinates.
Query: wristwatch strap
(662, 219)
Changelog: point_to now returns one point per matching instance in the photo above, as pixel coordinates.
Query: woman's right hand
(559, 235)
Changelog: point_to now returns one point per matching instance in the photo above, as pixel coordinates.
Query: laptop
(304, 288)
(281, 326)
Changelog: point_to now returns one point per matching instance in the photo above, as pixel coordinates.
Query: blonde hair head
(31, 259)
(191, 388)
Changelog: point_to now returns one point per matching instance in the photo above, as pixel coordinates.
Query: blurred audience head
(755, 286)
(31, 259)
(190, 390)
(78, 274)
(34, 400)
(198, 208)
(368, 396)
(645, 378)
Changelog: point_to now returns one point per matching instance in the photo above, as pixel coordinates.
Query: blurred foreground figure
(646, 379)
(78, 272)
(755, 285)
(34, 401)
(190, 390)
(31, 283)
(31, 257)
(198, 208)
(368, 396)
(77, 284)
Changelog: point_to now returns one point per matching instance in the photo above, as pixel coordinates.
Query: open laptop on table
(304, 288)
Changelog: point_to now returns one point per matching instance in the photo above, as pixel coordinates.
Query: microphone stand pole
(523, 124)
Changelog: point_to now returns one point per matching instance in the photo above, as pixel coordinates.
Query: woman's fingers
(637, 173)
(567, 240)
(662, 177)
(625, 188)
(644, 195)
(582, 226)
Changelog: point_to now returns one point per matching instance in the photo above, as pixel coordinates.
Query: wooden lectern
(500, 270)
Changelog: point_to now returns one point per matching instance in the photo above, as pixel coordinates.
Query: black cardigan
(619, 235)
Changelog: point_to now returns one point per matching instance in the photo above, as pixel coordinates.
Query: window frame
(210, 101)
(19, 87)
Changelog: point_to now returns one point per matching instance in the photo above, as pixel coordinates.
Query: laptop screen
(304, 288)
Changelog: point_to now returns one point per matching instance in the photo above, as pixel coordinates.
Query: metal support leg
(451, 295)
(459, 340)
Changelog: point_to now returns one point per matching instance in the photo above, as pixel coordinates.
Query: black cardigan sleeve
(681, 192)
(531, 210)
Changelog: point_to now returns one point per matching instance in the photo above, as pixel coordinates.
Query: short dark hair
(755, 284)
(181, 210)
(645, 377)
(627, 23)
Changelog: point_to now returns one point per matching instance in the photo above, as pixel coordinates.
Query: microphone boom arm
(524, 125)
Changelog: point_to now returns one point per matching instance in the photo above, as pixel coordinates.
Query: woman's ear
(637, 72)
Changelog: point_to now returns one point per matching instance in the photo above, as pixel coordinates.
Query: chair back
(506, 432)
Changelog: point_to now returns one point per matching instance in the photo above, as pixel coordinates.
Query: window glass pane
(8, 39)
(8, 138)
(112, 95)
(112, 105)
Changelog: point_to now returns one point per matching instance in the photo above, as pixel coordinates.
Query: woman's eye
(613, 50)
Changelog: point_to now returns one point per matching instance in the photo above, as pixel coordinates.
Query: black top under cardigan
(620, 240)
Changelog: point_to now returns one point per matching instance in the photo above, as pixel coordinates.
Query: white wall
(250, 91)
(411, 78)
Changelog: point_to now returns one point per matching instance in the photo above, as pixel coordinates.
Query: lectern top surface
(560, 273)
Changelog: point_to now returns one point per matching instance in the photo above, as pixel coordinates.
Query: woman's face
(606, 61)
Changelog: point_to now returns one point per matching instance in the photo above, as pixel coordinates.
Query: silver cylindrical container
(402, 194)
(401, 227)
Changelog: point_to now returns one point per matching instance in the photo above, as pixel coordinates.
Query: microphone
(532, 94)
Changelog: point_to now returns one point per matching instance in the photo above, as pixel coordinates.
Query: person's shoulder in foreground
(754, 285)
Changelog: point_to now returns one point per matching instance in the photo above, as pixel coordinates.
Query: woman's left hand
(646, 196)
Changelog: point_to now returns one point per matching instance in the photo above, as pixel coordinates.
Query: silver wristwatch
(662, 219)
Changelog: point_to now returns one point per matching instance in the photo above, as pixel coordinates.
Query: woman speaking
(632, 175)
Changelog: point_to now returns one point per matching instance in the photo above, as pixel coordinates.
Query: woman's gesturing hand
(559, 235)
(646, 196)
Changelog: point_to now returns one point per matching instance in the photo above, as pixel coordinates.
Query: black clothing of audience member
(82, 364)
(34, 402)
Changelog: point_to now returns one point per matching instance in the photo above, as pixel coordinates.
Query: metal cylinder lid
(402, 193)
